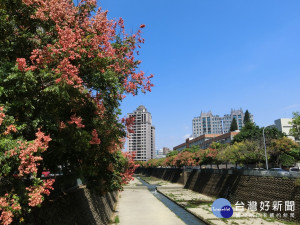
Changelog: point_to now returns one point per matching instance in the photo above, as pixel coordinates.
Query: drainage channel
(184, 215)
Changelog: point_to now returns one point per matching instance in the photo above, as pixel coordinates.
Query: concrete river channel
(184, 215)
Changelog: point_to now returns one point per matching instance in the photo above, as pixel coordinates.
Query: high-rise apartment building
(142, 141)
(207, 123)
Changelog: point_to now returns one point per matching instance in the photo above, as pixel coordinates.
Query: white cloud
(186, 127)
(187, 136)
(291, 106)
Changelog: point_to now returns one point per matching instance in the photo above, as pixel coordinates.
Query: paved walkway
(138, 206)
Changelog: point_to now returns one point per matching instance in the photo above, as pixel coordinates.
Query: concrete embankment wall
(80, 207)
(173, 175)
(235, 187)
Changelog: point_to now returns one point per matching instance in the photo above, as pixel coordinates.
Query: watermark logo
(222, 208)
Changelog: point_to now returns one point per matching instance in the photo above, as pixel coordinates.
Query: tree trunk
(277, 161)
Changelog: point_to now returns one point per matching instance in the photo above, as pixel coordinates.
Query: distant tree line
(246, 148)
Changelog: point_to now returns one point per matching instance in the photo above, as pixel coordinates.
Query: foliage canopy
(64, 69)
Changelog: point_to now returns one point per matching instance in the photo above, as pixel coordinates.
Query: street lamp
(265, 146)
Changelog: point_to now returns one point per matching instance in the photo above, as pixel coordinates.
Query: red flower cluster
(8, 205)
(10, 128)
(76, 120)
(129, 122)
(2, 115)
(127, 175)
(35, 192)
(95, 139)
(21, 64)
(73, 27)
(27, 155)
(28, 163)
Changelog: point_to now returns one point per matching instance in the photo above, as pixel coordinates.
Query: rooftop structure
(205, 140)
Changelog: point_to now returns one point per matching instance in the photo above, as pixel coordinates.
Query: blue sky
(214, 55)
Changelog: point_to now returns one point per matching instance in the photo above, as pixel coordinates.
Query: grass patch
(208, 210)
(269, 219)
(224, 220)
(150, 179)
(204, 203)
(287, 222)
(171, 195)
(161, 183)
(195, 203)
(235, 223)
(117, 219)
(191, 205)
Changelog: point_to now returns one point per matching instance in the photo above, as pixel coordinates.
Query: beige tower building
(142, 141)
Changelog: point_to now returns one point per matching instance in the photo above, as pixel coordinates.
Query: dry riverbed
(200, 205)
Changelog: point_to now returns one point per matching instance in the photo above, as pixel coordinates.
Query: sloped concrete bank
(191, 212)
(184, 214)
(236, 187)
(79, 206)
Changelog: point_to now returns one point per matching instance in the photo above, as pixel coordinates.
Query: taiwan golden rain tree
(65, 69)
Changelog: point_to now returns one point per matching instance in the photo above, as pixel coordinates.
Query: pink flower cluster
(6, 217)
(8, 205)
(73, 26)
(129, 122)
(185, 158)
(2, 115)
(76, 120)
(100, 106)
(212, 153)
(69, 73)
(35, 192)
(127, 175)
(95, 139)
(27, 155)
(10, 128)
(114, 147)
(21, 64)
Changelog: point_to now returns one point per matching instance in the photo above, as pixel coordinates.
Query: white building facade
(142, 141)
(284, 125)
(207, 123)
